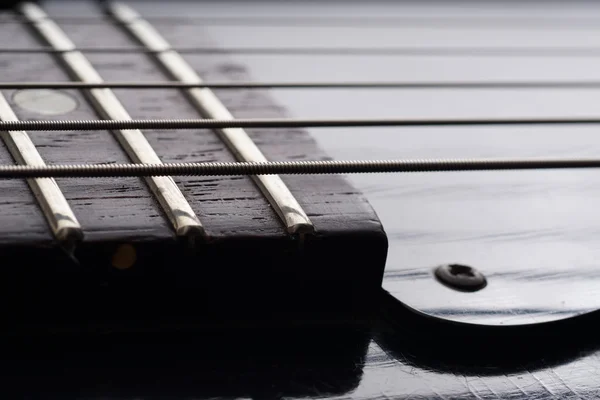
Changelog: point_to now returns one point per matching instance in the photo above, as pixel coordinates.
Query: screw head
(460, 277)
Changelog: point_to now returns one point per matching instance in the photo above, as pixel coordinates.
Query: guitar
(489, 275)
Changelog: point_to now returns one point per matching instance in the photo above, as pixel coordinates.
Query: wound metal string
(305, 85)
(341, 51)
(92, 125)
(289, 167)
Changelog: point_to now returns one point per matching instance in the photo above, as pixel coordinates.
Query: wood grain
(245, 237)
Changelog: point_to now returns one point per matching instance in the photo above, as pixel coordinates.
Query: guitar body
(257, 313)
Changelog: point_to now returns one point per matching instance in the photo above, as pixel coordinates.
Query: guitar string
(337, 51)
(290, 167)
(346, 21)
(307, 85)
(304, 167)
(188, 124)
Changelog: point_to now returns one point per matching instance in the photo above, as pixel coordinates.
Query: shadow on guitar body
(257, 363)
(482, 350)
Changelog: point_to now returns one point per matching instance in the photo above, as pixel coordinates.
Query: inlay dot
(45, 101)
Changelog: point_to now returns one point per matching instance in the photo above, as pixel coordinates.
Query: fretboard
(185, 233)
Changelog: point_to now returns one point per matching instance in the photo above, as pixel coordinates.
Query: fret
(206, 102)
(175, 206)
(61, 219)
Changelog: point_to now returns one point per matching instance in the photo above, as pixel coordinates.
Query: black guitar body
(455, 285)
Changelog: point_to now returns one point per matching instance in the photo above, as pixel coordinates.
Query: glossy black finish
(402, 355)
(239, 363)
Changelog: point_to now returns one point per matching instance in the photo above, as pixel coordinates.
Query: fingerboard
(188, 232)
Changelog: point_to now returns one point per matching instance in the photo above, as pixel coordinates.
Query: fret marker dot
(124, 257)
(45, 101)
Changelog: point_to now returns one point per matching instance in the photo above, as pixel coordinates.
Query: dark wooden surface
(246, 238)
(130, 210)
(531, 333)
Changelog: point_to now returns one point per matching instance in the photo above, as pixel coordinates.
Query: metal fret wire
(207, 104)
(337, 51)
(174, 204)
(305, 85)
(54, 206)
(290, 167)
(92, 125)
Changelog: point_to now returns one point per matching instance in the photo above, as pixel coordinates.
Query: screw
(460, 277)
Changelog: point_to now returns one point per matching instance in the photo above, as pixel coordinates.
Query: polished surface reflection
(390, 359)
(228, 364)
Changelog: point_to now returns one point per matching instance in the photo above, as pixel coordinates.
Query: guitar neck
(175, 233)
